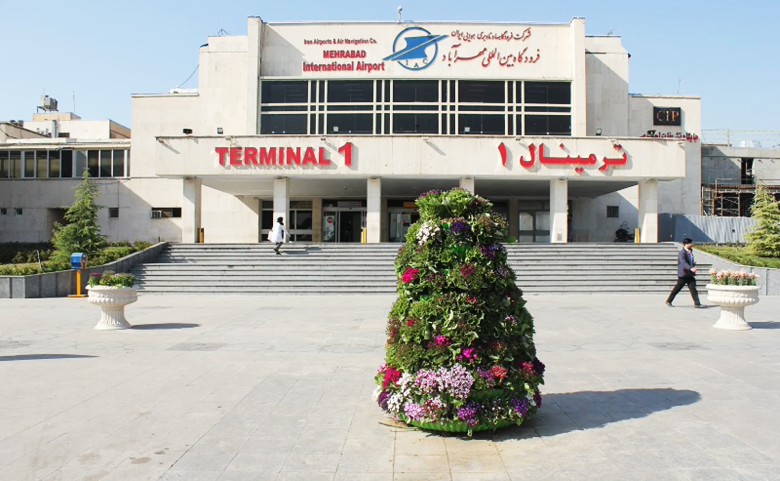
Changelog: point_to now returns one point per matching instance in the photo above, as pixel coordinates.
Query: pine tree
(82, 231)
(764, 238)
(460, 354)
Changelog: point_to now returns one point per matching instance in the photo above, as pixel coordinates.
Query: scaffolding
(731, 200)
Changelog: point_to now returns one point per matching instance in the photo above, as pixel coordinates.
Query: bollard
(636, 236)
(363, 235)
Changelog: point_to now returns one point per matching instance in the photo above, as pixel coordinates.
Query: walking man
(278, 235)
(686, 274)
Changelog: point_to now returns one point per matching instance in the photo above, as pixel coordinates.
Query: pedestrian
(278, 235)
(686, 274)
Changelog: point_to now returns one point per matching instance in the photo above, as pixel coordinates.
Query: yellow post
(363, 235)
(636, 236)
(78, 293)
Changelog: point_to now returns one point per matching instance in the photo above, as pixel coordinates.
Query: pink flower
(441, 341)
(410, 275)
(410, 322)
(498, 372)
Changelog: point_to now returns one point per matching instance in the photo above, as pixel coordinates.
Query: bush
(23, 252)
(111, 279)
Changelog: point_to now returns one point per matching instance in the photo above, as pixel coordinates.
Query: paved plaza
(248, 388)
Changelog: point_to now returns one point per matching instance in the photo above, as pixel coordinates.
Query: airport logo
(415, 48)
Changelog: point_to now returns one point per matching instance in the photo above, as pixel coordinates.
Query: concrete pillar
(374, 210)
(190, 210)
(385, 234)
(282, 200)
(648, 211)
(514, 219)
(559, 194)
(316, 220)
(467, 183)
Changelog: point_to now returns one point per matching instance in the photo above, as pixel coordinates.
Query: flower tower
(460, 355)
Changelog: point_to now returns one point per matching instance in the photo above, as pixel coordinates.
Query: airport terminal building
(338, 127)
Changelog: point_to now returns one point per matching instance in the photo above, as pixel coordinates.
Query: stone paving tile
(643, 393)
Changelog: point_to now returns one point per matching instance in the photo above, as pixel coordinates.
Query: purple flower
(491, 251)
(468, 414)
(520, 406)
(428, 381)
(382, 400)
(457, 381)
(459, 227)
(503, 272)
(430, 192)
(413, 411)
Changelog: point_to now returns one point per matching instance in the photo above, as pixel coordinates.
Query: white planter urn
(732, 301)
(112, 302)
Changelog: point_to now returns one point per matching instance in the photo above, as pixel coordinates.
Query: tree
(82, 231)
(764, 238)
(460, 354)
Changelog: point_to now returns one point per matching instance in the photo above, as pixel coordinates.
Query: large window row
(56, 164)
(388, 107)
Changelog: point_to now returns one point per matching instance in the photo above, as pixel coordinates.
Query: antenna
(222, 32)
(400, 11)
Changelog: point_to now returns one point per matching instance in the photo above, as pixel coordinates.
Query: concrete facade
(206, 163)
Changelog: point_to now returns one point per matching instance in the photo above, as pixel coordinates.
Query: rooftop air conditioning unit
(156, 214)
(48, 103)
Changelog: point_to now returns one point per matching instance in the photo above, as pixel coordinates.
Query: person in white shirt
(278, 235)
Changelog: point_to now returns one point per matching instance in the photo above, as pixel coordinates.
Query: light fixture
(425, 139)
(598, 130)
(323, 139)
(219, 131)
(186, 131)
(466, 130)
(336, 128)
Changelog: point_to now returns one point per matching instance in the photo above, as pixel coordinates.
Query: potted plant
(460, 355)
(111, 292)
(732, 291)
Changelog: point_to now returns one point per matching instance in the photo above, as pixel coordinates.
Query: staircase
(356, 269)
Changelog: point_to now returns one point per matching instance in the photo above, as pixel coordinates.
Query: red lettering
(293, 156)
(235, 155)
(324, 161)
(222, 153)
(267, 156)
(280, 160)
(346, 151)
(309, 157)
(250, 156)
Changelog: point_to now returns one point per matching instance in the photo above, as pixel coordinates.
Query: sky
(93, 55)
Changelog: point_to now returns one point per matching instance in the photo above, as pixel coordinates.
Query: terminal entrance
(342, 225)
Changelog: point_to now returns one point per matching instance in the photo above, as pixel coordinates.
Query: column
(514, 219)
(467, 183)
(374, 209)
(190, 210)
(316, 220)
(648, 211)
(559, 196)
(282, 200)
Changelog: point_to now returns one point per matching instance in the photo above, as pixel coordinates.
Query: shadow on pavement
(765, 325)
(164, 325)
(575, 411)
(38, 357)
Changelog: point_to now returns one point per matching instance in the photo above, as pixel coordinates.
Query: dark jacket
(684, 264)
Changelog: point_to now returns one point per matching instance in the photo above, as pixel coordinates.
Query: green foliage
(741, 255)
(764, 238)
(23, 252)
(82, 232)
(111, 279)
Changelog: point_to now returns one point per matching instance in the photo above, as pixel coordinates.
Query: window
(113, 212)
(350, 124)
(165, 212)
(15, 164)
(547, 125)
(19, 211)
(283, 124)
(547, 93)
(283, 92)
(481, 92)
(416, 123)
(4, 165)
(41, 164)
(482, 124)
(118, 163)
(3, 211)
(350, 91)
(613, 211)
(415, 91)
